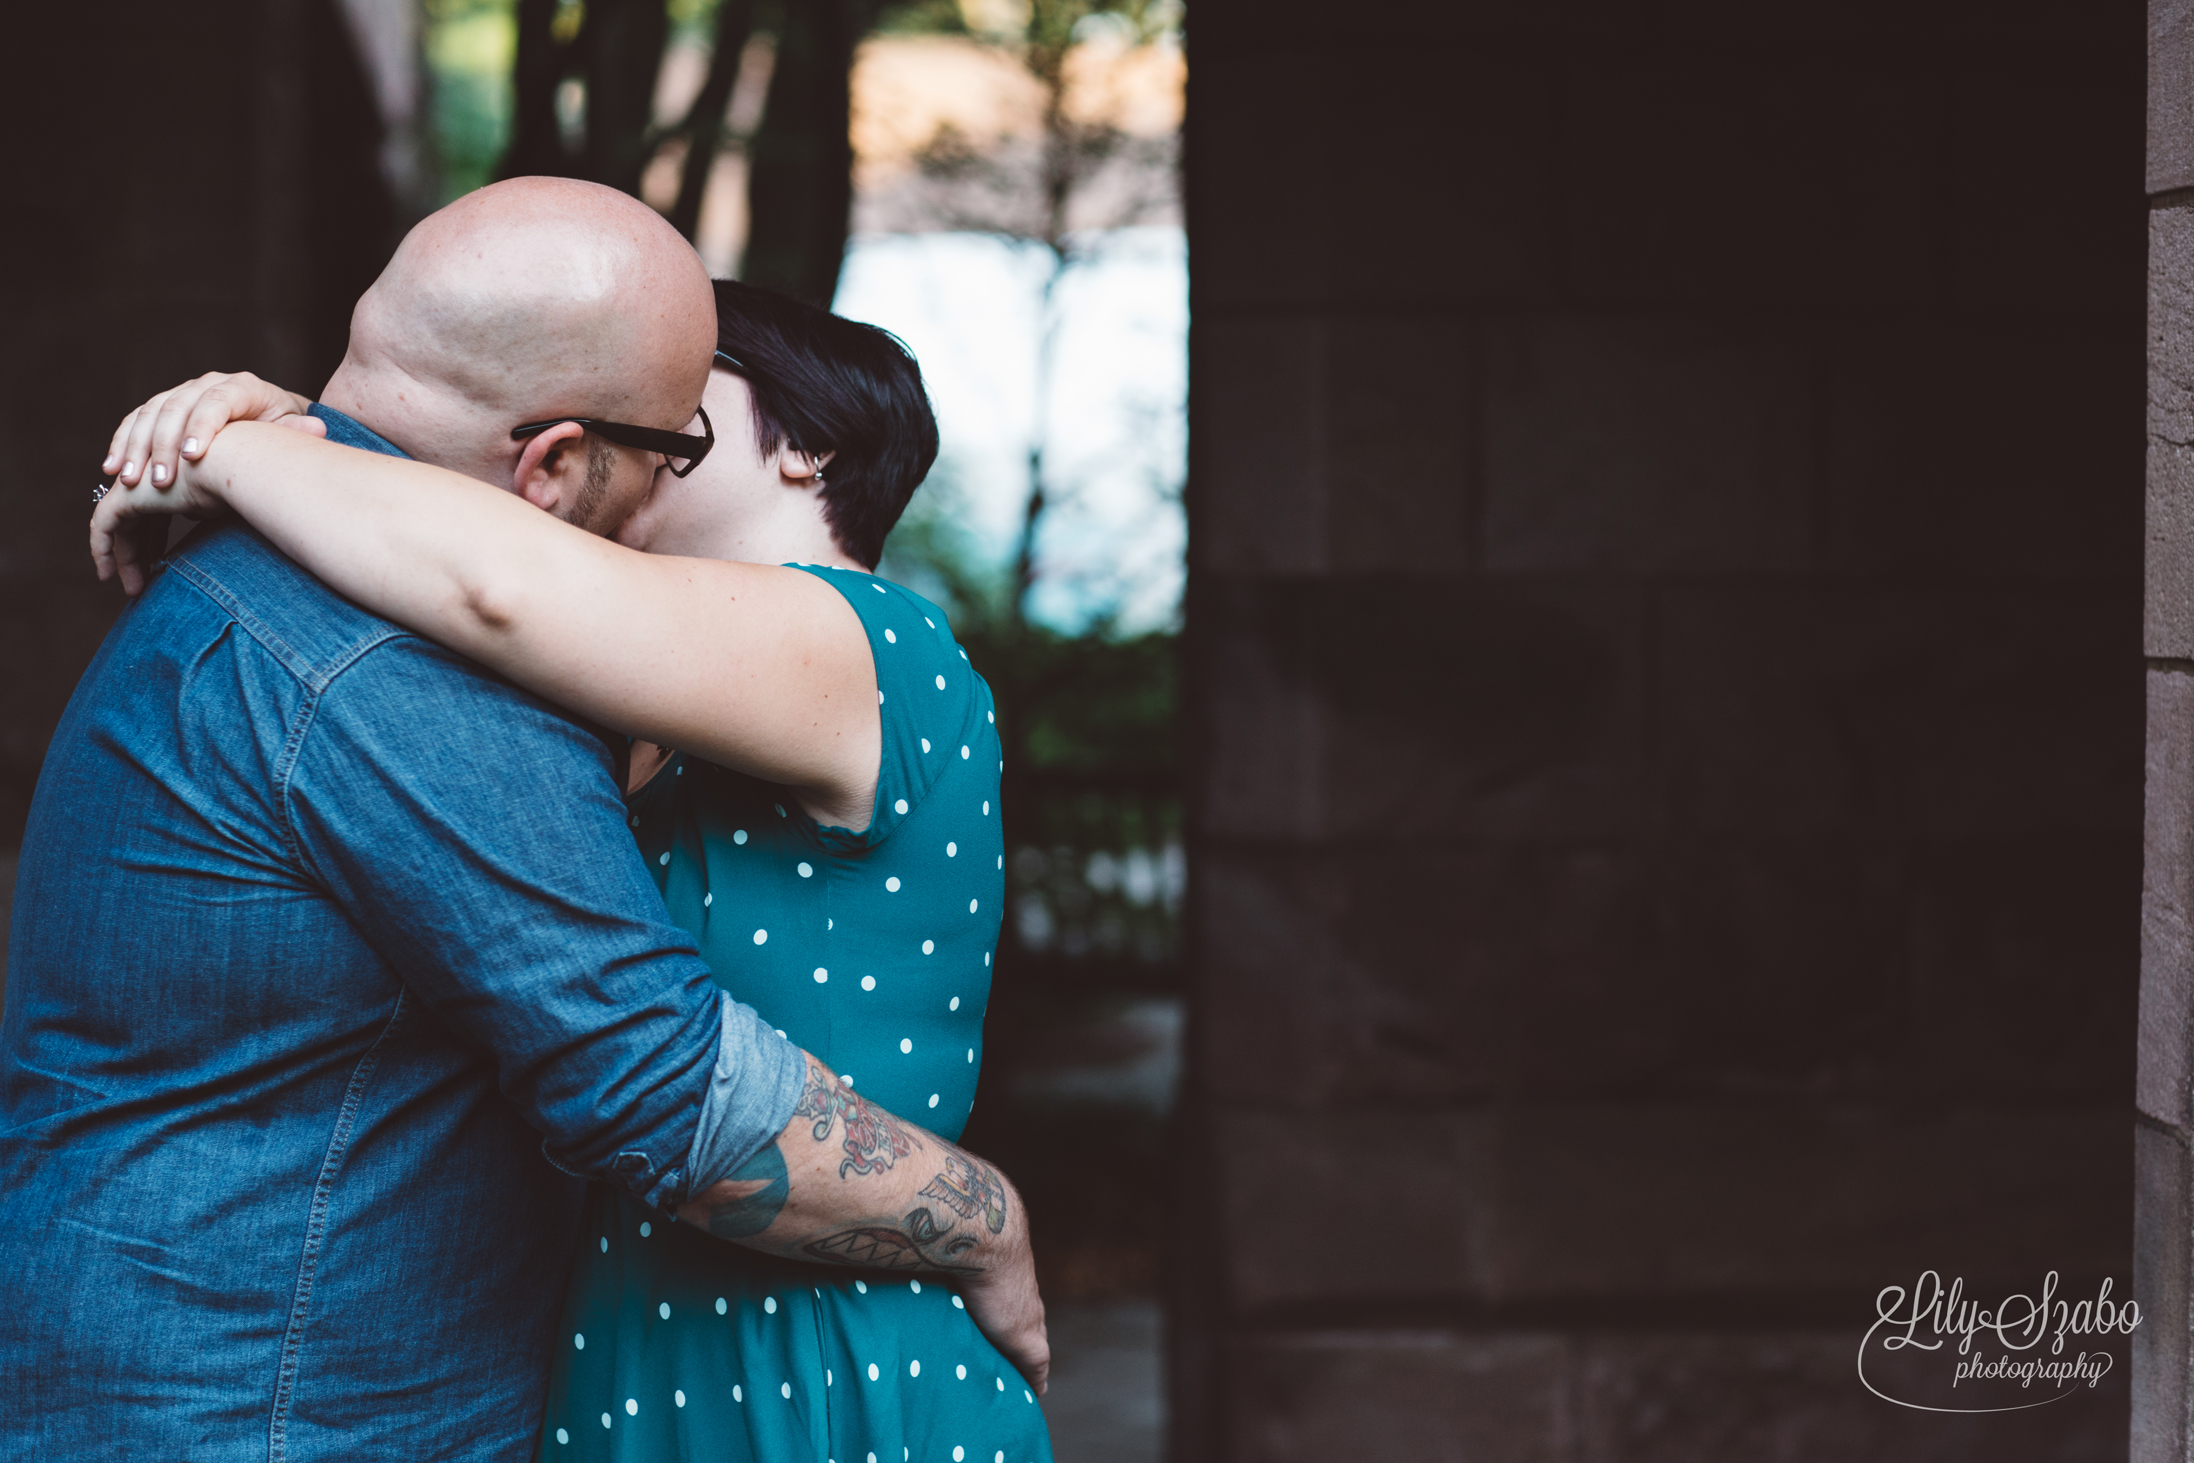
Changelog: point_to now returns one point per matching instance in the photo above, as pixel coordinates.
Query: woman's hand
(129, 526)
(181, 423)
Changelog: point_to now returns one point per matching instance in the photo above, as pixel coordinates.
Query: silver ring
(99, 492)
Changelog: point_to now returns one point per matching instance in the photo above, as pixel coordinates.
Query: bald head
(528, 300)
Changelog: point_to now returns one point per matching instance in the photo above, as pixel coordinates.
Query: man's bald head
(528, 300)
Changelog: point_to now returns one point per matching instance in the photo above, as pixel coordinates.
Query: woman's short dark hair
(823, 383)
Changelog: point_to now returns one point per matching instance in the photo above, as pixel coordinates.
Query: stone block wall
(189, 188)
(1665, 716)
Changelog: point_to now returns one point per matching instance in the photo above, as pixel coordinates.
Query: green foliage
(469, 47)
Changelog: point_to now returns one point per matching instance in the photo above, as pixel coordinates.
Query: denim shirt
(320, 931)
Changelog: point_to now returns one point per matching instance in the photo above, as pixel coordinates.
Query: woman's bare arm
(756, 667)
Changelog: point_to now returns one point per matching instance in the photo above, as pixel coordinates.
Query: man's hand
(847, 1183)
(129, 526)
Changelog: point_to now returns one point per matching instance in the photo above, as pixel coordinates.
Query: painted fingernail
(107, 465)
(159, 472)
(129, 469)
(190, 444)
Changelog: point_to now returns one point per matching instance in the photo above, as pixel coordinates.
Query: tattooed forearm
(917, 1244)
(968, 1184)
(834, 1188)
(874, 1139)
(750, 1200)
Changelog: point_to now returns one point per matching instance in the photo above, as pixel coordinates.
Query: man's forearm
(847, 1183)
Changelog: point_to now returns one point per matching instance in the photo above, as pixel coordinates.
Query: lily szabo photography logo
(1935, 1348)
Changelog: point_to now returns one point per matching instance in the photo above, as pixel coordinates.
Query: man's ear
(552, 467)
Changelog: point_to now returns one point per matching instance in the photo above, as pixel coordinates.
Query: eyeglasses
(675, 446)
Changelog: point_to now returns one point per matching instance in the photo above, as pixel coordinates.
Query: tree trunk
(704, 125)
(623, 43)
(536, 145)
(800, 179)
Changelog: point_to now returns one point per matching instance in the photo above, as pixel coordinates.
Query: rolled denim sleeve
(478, 840)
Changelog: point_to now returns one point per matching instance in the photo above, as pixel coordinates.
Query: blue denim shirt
(320, 931)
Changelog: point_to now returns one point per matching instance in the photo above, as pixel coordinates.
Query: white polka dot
(868, 982)
(953, 1004)
(952, 850)
(877, 587)
(959, 1454)
(929, 947)
(971, 1054)
(1001, 1458)
(925, 747)
(992, 717)
(707, 900)
(646, 1229)
(914, 1368)
(830, 924)
(940, 683)
(769, 1304)
(892, 884)
(780, 1031)
(579, 1341)
(679, 1397)
(664, 859)
(805, 869)
(970, 910)
(828, 1379)
(861, 1286)
(739, 835)
(986, 812)
(605, 1419)
(879, 698)
(821, 975)
(780, 807)
(1025, 1392)
(632, 1407)
(761, 937)
(605, 1244)
(721, 1307)
(846, 1077)
(958, 1304)
(986, 957)
(900, 807)
(873, 1375)
(929, 622)
(663, 1310)
(737, 1395)
(906, 1044)
(890, 639)
(933, 1099)
(784, 1390)
(562, 1436)
(679, 770)
(1001, 1384)
(915, 1286)
(963, 754)
(960, 1372)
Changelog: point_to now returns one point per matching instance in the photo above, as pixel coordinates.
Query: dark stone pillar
(189, 188)
(1665, 716)
(2164, 1195)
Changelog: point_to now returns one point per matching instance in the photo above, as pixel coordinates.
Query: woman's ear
(552, 468)
(802, 469)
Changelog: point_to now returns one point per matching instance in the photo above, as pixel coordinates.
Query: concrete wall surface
(1665, 716)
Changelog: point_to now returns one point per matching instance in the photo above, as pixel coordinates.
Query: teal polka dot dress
(873, 951)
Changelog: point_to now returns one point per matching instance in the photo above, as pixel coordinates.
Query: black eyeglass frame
(646, 439)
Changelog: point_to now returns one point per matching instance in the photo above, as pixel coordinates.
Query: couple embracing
(503, 930)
